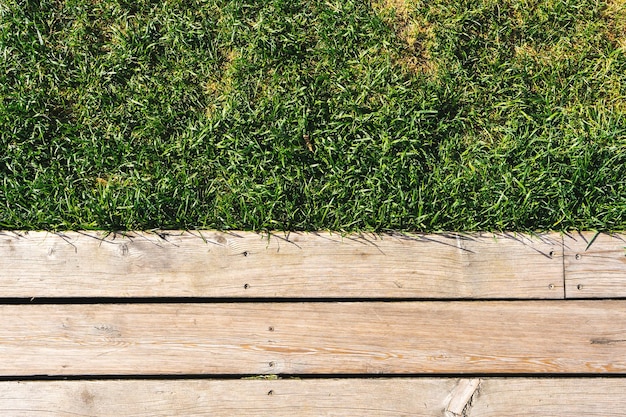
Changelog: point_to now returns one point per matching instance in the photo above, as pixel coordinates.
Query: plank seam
(563, 264)
(308, 377)
(255, 300)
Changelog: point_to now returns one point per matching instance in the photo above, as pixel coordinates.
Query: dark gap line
(275, 300)
(237, 377)
(563, 268)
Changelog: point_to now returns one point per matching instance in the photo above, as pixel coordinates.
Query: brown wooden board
(314, 338)
(312, 265)
(588, 397)
(419, 397)
(595, 265)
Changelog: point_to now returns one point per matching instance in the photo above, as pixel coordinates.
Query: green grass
(298, 114)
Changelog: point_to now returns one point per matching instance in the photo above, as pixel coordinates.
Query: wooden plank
(596, 397)
(420, 397)
(244, 264)
(595, 265)
(314, 338)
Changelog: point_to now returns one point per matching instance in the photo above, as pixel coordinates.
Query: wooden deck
(310, 324)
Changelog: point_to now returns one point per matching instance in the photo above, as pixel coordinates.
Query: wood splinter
(462, 397)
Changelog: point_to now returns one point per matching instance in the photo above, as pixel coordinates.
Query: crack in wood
(604, 341)
(462, 398)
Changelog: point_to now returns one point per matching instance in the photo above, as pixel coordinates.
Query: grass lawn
(312, 114)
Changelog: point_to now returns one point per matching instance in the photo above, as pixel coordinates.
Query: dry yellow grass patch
(615, 15)
(112, 180)
(547, 54)
(219, 88)
(413, 30)
(401, 7)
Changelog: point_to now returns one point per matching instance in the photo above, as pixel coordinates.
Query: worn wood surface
(588, 397)
(419, 397)
(243, 264)
(287, 398)
(315, 338)
(595, 265)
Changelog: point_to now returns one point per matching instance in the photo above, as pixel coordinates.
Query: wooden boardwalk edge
(312, 265)
(421, 397)
(397, 313)
(295, 265)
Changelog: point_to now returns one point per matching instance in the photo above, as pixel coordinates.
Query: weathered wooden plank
(258, 398)
(420, 397)
(549, 397)
(595, 265)
(314, 338)
(243, 264)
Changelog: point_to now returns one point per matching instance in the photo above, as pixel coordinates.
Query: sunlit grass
(344, 115)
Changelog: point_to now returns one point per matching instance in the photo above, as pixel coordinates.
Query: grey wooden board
(314, 338)
(418, 397)
(312, 265)
(595, 265)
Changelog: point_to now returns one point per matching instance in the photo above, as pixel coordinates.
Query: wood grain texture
(243, 264)
(314, 338)
(254, 398)
(418, 397)
(596, 397)
(595, 265)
